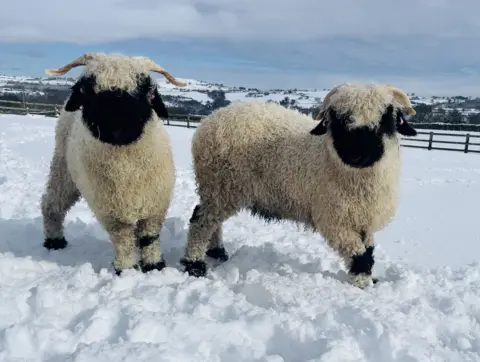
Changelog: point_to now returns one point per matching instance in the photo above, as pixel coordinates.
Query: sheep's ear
(75, 101)
(403, 127)
(321, 127)
(406, 129)
(158, 105)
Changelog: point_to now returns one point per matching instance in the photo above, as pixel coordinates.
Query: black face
(115, 116)
(362, 147)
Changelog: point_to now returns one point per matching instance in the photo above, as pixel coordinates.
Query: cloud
(426, 45)
(93, 21)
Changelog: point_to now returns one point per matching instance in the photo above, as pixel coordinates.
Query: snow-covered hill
(280, 298)
(197, 91)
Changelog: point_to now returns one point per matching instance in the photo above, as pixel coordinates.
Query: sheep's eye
(152, 91)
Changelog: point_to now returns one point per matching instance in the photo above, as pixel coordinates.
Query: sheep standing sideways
(111, 147)
(340, 177)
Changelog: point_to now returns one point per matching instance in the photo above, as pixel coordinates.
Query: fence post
(467, 139)
(188, 121)
(430, 141)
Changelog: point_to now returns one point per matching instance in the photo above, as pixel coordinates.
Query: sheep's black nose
(116, 134)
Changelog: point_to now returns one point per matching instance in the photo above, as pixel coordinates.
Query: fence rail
(428, 140)
(462, 141)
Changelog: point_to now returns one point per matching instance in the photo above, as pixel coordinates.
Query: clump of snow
(280, 298)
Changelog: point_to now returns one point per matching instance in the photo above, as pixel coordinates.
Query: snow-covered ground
(281, 296)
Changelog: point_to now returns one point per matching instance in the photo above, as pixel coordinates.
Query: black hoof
(195, 268)
(156, 266)
(218, 253)
(363, 263)
(55, 244)
(118, 272)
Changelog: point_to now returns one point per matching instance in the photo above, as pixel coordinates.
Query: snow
(201, 97)
(305, 99)
(197, 90)
(192, 84)
(7, 79)
(280, 298)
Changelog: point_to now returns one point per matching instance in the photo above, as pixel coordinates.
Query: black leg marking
(363, 235)
(156, 266)
(362, 264)
(55, 244)
(118, 272)
(195, 215)
(196, 268)
(145, 241)
(218, 253)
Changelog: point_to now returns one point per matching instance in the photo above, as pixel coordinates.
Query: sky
(427, 47)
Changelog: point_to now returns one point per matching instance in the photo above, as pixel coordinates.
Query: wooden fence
(17, 107)
(428, 140)
(462, 142)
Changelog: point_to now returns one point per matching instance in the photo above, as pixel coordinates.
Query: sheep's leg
(60, 195)
(216, 249)
(206, 220)
(123, 238)
(369, 242)
(357, 251)
(360, 268)
(148, 234)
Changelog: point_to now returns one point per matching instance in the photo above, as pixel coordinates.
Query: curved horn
(82, 60)
(154, 67)
(402, 98)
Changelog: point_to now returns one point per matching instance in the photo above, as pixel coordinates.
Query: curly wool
(276, 160)
(263, 157)
(128, 188)
(364, 103)
(107, 68)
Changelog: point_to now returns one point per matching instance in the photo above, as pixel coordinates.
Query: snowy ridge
(6, 79)
(197, 90)
(280, 298)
